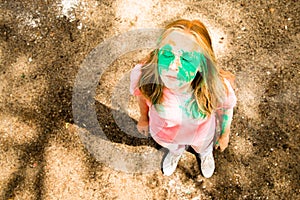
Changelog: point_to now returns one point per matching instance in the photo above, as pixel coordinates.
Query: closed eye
(186, 59)
(167, 54)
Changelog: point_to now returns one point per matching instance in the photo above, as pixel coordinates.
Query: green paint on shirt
(192, 110)
(160, 108)
(225, 119)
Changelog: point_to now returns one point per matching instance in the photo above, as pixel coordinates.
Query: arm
(225, 117)
(143, 123)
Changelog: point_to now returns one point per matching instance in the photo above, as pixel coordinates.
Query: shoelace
(174, 159)
(206, 160)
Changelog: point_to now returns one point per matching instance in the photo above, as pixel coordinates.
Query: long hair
(209, 89)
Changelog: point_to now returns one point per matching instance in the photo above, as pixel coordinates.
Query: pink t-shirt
(169, 122)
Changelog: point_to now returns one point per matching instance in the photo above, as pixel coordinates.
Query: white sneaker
(207, 165)
(170, 163)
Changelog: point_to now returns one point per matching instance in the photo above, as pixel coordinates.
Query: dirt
(47, 152)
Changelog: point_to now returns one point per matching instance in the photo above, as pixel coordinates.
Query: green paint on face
(190, 62)
(165, 58)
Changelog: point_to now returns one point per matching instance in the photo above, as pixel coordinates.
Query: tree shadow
(54, 48)
(32, 157)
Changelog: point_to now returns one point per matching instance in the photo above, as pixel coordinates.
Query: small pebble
(79, 26)
(172, 182)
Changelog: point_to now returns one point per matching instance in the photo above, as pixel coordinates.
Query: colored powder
(165, 58)
(192, 110)
(196, 113)
(224, 123)
(160, 108)
(190, 62)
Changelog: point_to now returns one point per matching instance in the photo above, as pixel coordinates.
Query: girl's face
(179, 60)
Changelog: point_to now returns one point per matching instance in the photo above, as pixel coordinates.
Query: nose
(175, 64)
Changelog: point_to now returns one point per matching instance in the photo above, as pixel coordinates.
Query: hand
(143, 126)
(222, 142)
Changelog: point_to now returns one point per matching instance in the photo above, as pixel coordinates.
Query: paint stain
(192, 110)
(225, 119)
(189, 63)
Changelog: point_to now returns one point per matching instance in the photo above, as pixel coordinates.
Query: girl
(183, 95)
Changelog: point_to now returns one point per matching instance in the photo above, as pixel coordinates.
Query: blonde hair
(209, 89)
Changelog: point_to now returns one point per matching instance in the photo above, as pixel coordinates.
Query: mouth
(171, 77)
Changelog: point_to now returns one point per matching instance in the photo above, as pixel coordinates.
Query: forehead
(180, 41)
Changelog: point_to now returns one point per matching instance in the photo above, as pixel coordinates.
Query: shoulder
(135, 76)
(228, 84)
(230, 99)
(136, 71)
(137, 68)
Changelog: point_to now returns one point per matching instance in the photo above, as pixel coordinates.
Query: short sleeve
(135, 76)
(230, 100)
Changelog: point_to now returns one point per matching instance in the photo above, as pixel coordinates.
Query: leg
(204, 149)
(175, 148)
(172, 158)
(207, 159)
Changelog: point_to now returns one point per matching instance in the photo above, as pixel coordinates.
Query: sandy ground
(46, 152)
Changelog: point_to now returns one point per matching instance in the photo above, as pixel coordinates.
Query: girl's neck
(184, 90)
